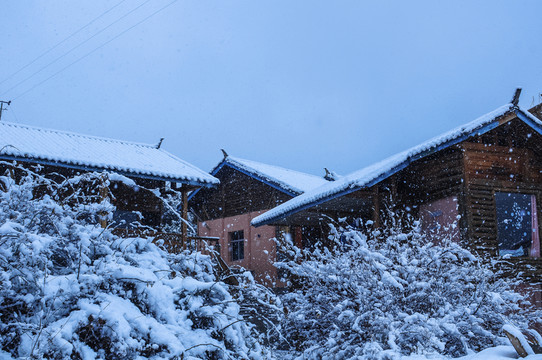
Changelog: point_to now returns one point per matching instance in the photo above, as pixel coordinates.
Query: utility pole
(2, 107)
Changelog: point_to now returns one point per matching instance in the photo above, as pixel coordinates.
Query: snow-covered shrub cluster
(70, 289)
(393, 293)
(261, 307)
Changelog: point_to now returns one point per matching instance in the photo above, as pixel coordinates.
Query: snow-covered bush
(261, 307)
(393, 292)
(70, 289)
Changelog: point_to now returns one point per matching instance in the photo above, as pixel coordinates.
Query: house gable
(248, 186)
(257, 176)
(238, 193)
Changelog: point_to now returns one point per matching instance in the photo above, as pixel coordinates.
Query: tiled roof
(291, 181)
(94, 153)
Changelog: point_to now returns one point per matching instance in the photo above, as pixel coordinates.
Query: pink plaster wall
(440, 218)
(260, 249)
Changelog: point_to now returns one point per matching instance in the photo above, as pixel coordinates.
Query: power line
(96, 49)
(60, 43)
(74, 48)
(14, 115)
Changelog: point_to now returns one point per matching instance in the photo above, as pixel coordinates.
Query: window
(124, 219)
(237, 245)
(517, 224)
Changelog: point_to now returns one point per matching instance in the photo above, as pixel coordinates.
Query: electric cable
(60, 43)
(74, 48)
(95, 49)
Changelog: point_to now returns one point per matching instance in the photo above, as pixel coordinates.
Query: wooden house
(247, 189)
(132, 171)
(485, 177)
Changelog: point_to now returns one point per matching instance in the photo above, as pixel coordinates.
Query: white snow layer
(521, 338)
(364, 177)
(495, 353)
(73, 149)
(289, 180)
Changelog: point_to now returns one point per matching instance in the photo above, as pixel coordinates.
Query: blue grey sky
(301, 84)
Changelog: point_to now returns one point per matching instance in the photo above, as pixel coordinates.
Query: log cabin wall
(237, 194)
(359, 204)
(507, 159)
(432, 178)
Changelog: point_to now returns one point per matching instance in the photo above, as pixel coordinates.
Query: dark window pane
(237, 235)
(237, 245)
(125, 219)
(514, 223)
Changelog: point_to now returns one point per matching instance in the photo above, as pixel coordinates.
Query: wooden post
(376, 207)
(104, 194)
(184, 215)
(393, 190)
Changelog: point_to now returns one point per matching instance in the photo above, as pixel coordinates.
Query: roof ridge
(71, 133)
(276, 166)
(415, 150)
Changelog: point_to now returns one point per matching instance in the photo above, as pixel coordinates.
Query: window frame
(236, 244)
(518, 191)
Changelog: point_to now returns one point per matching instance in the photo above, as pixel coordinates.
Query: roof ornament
(330, 175)
(2, 102)
(159, 143)
(515, 99)
(224, 153)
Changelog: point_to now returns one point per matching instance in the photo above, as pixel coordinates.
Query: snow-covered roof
(375, 173)
(288, 181)
(291, 181)
(52, 147)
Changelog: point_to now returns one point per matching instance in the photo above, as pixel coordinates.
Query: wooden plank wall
(237, 194)
(434, 177)
(508, 160)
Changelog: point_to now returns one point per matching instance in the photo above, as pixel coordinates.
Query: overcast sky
(301, 84)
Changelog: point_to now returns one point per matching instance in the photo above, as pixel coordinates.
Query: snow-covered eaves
(378, 172)
(76, 151)
(290, 182)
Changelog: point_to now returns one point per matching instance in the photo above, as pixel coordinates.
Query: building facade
(480, 183)
(133, 175)
(247, 189)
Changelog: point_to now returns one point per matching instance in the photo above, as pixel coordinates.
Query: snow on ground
(504, 352)
(496, 353)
